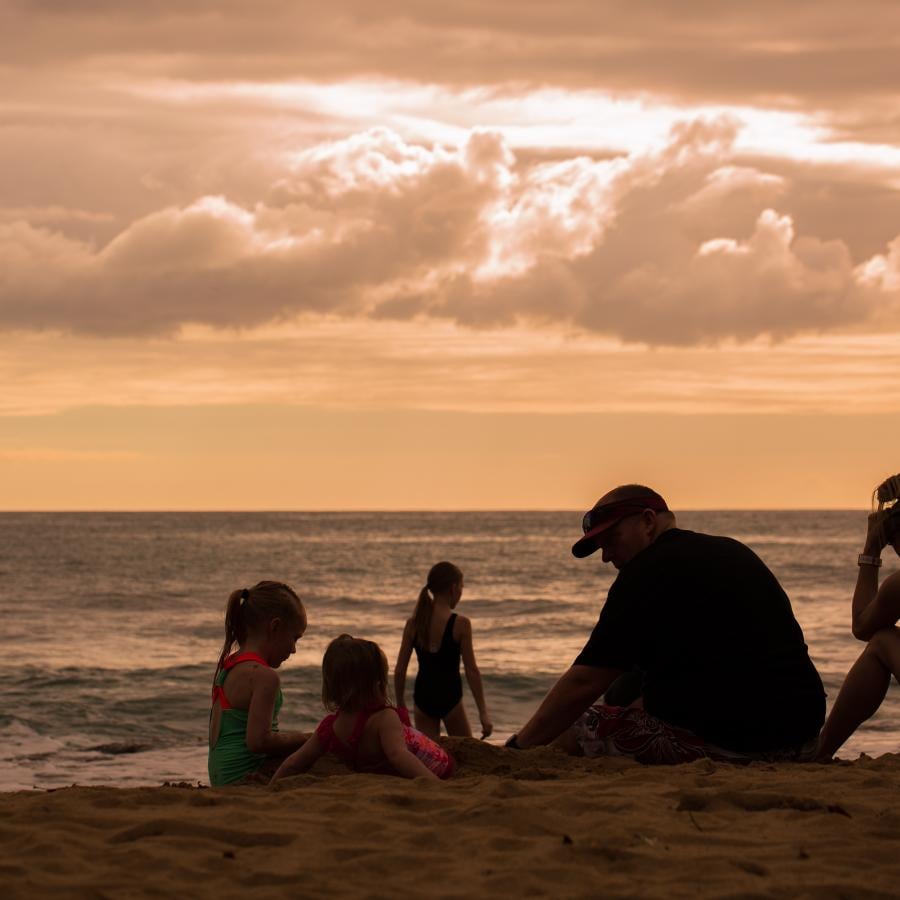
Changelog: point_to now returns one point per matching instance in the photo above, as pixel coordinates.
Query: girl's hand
(875, 534)
(487, 727)
(301, 760)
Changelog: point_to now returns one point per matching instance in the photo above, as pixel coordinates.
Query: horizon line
(413, 510)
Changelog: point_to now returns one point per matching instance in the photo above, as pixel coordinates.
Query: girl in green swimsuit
(265, 621)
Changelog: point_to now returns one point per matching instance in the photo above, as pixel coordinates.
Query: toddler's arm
(302, 760)
(393, 745)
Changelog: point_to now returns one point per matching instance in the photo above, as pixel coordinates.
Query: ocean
(113, 622)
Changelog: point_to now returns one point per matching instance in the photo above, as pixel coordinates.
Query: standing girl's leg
(428, 725)
(457, 722)
(863, 690)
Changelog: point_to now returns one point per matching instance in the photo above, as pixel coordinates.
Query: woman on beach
(875, 611)
(440, 636)
(265, 621)
(363, 728)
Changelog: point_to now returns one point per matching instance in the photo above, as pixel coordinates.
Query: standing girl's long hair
(249, 608)
(441, 577)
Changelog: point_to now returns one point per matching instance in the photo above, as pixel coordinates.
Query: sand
(532, 823)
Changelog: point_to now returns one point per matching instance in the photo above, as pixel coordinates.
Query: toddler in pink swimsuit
(363, 728)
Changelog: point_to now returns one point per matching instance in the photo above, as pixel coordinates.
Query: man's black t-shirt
(716, 636)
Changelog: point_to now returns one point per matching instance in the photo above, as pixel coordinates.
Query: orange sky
(491, 255)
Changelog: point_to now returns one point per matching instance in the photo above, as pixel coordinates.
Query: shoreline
(510, 823)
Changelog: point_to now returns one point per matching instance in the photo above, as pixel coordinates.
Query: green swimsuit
(229, 759)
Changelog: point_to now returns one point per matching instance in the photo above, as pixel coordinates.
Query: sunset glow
(498, 256)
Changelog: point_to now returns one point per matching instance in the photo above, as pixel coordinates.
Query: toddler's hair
(354, 674)
(248, 608)
(441, 577)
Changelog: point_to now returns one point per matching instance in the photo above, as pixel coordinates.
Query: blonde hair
(248, 609)
(441, 577)
(354, 674)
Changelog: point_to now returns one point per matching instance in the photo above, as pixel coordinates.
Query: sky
(411, 255)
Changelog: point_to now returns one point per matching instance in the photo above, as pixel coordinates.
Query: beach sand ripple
(532, 823)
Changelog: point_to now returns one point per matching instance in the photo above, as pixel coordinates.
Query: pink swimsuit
(432, 754)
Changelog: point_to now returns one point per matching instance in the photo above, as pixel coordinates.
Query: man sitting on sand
(726, 670)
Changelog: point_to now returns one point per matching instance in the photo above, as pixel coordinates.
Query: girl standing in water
(440, 637)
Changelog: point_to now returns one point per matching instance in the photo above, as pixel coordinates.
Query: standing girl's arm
(473, 675)
(264, 684)
(406, 646)
(302, 759)
(393, 745)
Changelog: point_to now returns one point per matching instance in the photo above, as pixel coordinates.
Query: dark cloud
(800, 53)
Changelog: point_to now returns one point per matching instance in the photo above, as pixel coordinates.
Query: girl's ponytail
(235, 628)
(248, 608)
(422, 616)
(441, 577)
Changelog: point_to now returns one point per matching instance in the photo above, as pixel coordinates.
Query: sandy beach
(531, 823)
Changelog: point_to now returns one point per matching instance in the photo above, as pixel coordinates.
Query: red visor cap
(601, 518)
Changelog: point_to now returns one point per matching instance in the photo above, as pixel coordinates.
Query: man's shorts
(633, 732)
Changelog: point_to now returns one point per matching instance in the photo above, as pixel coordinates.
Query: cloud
(772, 51)
(680, 246)
(388, 365)
(53, 215)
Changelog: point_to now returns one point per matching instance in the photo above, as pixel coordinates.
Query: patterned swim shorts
(633, 732)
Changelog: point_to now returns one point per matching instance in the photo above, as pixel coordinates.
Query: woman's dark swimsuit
(438, 685)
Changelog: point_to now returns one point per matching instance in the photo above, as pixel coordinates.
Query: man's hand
(575, 691)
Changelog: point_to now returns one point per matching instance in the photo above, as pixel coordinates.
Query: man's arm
(575, 691)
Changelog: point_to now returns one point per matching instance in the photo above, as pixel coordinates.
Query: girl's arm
(473, 675)
(406, 646)
(302, 759)
(874, 608)
(264, 686)
(393, 745)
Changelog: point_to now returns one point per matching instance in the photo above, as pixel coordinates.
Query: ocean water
(112, 623)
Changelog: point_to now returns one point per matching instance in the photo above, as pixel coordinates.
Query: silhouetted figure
(440, 638)
(726, 673)
(875, 611)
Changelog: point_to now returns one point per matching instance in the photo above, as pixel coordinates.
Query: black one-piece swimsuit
(438, 684)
